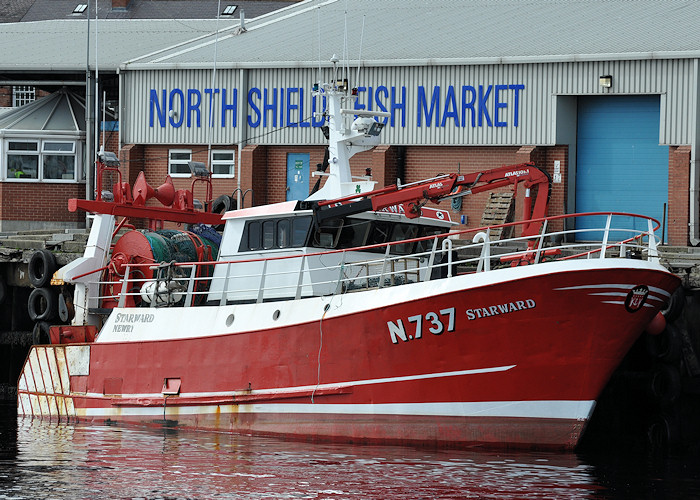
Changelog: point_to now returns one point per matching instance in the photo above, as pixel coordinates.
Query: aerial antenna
(318, 21)
(346, 50)
(97, 91)
(359, 61)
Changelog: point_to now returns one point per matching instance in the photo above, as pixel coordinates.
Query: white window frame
(59, 152)
(34, 153)
(232, 162)
(40, 153)
(23, 94)
(172, 162)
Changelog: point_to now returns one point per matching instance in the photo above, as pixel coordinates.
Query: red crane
(413, 196)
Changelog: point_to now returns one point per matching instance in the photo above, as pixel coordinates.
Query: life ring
(41, 304)
(41, 333)
(42, 265)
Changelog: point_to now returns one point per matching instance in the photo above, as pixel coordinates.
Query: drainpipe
(242, 128)
(693, 228)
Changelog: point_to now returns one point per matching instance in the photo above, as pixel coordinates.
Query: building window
(22, 160)
(23, 94)
(80, 8)
(58, 160)
(46, 160)
(223, 163)
(178, 162)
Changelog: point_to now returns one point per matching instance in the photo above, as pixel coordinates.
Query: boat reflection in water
(59, 460)
(80, 461)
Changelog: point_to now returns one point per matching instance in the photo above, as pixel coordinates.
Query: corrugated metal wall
(450, 122)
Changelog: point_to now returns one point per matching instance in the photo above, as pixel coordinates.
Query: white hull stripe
(306, 388)
(566, 409)
(654, 289)
(622, 294)
(621, 303)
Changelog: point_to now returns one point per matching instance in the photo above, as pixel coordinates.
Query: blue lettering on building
(493, 105)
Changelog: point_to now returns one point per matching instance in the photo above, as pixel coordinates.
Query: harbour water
(40, 459)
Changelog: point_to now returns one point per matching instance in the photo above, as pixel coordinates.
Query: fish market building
(601, 94)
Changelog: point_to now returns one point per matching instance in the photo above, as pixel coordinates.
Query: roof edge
(473, 61)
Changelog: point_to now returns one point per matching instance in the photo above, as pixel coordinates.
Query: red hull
(516, 363)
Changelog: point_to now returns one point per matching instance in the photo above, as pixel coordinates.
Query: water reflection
(41, 459)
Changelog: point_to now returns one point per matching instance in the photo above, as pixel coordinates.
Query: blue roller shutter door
(620, 166)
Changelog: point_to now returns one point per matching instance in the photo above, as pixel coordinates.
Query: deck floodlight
(376, 128)
(198, 169)
(108, 158)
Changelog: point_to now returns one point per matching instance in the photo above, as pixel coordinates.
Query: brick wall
(678, 195)
(264, 172)
(265, 168)
(25, 201)
(5, 97)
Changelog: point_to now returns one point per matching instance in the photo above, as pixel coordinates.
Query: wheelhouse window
(404, 232)
(288, 232)
(223, 163)
(178, 162)
(300, 230)
(41, 160)
(269, 234)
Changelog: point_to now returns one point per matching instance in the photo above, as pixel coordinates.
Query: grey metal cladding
(528, 118)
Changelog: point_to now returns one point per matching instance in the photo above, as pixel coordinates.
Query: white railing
(292, 277)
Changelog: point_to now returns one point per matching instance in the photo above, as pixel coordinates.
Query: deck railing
(299, 275)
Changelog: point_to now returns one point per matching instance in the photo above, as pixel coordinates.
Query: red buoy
(656, 325)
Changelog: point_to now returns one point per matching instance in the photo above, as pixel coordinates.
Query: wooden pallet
(499, 210)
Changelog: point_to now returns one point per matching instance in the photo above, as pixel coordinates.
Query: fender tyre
(42, 304)
(666, 346)
(221, 205)
(3, 291)
(42, 265)
(675, 305)
(665, 384)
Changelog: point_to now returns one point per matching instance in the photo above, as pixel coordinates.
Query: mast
(345, 137)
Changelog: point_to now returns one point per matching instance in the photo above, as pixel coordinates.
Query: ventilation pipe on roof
(242, 20)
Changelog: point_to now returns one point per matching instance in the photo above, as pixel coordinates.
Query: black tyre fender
(42, 265)
(666, 346)
(41, 333)
(42, 304)
(3, 291)
(221, 205)
(675, 305)
(665, 384)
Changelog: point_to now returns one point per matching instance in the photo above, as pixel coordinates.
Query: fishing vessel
(356, 315)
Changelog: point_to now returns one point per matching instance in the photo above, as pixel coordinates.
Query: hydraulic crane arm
(414, 196)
